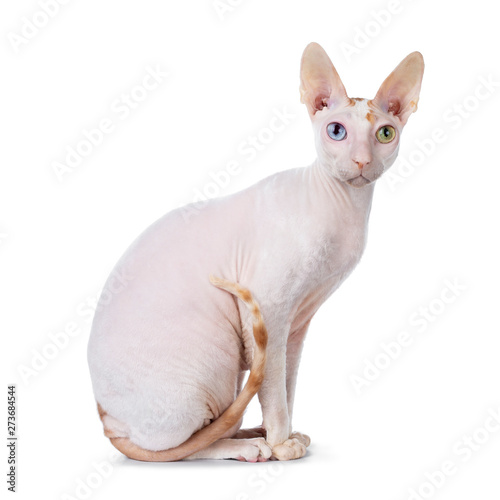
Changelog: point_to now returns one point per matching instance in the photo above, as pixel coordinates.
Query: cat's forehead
(362, 108)
(358, 110)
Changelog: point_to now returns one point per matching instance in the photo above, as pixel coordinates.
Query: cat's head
(357, 140)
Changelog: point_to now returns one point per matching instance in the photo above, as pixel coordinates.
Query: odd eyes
(336, 131)
(385, 134)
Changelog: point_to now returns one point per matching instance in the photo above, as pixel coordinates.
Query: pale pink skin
(168, 352)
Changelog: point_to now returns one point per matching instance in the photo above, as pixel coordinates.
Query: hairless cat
(235, 287)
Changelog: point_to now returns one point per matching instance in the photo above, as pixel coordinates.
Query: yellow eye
(385, 134)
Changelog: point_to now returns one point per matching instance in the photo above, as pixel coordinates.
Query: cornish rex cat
(168, 353)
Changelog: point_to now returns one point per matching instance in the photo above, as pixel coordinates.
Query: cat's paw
(303, 438)
(254, 450)
(289, 450)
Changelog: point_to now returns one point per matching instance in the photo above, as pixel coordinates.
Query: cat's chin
(358, 181)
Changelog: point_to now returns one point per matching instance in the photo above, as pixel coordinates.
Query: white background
(59, 240)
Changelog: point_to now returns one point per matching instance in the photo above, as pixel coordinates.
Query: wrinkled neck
(340, 193)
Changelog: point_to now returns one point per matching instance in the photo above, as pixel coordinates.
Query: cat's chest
(333, 254)
(329, 263)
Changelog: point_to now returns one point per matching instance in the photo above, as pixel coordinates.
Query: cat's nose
(361, 163)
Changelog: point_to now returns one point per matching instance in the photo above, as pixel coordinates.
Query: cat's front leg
(293, 354)
(273, 399)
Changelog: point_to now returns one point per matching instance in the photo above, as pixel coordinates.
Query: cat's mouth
(358, 181)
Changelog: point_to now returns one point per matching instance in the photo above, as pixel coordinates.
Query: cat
(168, 353)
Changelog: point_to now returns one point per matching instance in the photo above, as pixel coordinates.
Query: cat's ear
(399, 92)
(320, 84)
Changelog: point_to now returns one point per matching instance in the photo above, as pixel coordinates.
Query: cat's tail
(212, 432)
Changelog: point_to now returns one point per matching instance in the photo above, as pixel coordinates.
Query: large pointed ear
(320, 84)
(399, 92)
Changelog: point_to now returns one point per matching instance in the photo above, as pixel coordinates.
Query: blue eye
(336, 131)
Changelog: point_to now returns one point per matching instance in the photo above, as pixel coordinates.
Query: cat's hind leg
(250, 433)
(245, 450)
